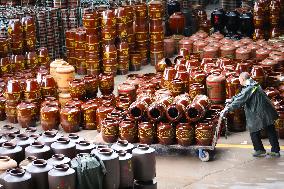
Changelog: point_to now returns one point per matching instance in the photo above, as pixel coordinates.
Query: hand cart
(205, 153)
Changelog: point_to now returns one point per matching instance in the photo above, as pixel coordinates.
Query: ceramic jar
(101, 114)
(176, 110)
(157, 110)
(62, 176)
(196, 89)
(64, 74)
(262, 54)
(91, 85)
(11, 112)
(122, 145)
(146, 133)
(138, 109)
(50, 116)
(39, 171)
(279, 123)
(177, 23)
(197, 109)
(58, 159)
(48, 86)
(9, 129)
(185, 134)
(48, 137)
(216, 88)
(64, 98)
(166, 134)
(18, 177)
(84, 147)
(23, 141)
(64, 146)
(12, 150)
(106, 84)
(126, 169)
(26, 114)
(110, 130)
(13, 91)
(38, 150)
(237, 120)
(111, 162)
(243, 53)
(258, 74)
(70, 117)
(77, 89)
(89, 109)
(2, 108)
(204, 134)
(228, 51)
(32, 90)
(210, 51)
(144, 163)
(128, 130)
(233, 86)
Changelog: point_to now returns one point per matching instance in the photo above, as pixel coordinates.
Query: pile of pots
(45, 162)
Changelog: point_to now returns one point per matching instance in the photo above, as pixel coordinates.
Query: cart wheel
(204, 155)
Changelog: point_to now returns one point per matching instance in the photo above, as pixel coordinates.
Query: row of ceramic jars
(30, 60)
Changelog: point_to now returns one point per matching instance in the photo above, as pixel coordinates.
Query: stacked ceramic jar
(91, 24)
(108, 30)
(156, 31)
(80, 44)
(141, 31)
(122, 44)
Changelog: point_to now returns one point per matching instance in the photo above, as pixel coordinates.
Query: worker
(260, 114)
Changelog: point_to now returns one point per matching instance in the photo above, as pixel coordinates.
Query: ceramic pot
(84, 147)
(110, 130)
(48, 86)
(197, 109)
(70, 117)
(204, 134)
(11, 112)
(58, 159)
(166, 134)
(12, 150)
(146, 133)
(177, 109)
(216, 88)
(91, 85)
(39, 150)
(64, 146)
(62, 176)
(106, 84)
(50, 116)
(13, 91)
(39, 172)
(48, 137)
(26, 114)
(128, 130)
(185, 134)
(177, 23)
(16, 177)
(144, 163)
(101, 114)
(77, 89)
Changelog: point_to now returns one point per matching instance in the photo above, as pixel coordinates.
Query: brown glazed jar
(199, 45)
(198, 77)
(243, 53)
(138, 109)
(253, 47)
(258, 34)
(110, 130)
(18, 177)
(77, 89)
(128, 90)
(157, 110)
(64, 146)
(216, 88)
(48, 86)
(210, 51)
(26, 114)
(62, 176)
(13, 91)
(32, 90)
(2, 108)
(176, 110)
(196, 89)
(197, 109)
(258, 74)
(169, 47)
(12, 150)
(91, 85)
(228, 51)
(89, 109)
(262, 54)
(18, 63)
(106, 84)
(237, 120)
(31, 60)
(146, 133)
(38, 150)
(70, 117)
(233, 86)
(128, 130)
(50, 116)
(11, 112)
(204, 134)
(166, 134)
(168, 76)
(185, 134)
(101, 114)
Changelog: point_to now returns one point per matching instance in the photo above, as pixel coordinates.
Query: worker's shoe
(274, 154)
(259, 153)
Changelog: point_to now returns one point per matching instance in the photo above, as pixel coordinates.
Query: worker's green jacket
(259, 110)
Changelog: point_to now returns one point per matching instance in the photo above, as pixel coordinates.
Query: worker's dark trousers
(272, 136)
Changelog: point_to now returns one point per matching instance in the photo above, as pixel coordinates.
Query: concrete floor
(232, 168)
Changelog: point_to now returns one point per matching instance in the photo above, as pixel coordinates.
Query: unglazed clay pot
(84, 147)
(38, 150)
(144, 163)
(58, 159)
(64, 146)
(18, 177)
(62, 176)
(12, 150)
